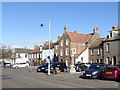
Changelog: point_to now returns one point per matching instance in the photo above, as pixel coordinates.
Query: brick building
(73, 43)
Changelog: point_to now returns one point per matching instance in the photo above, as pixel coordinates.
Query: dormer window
(110, 34)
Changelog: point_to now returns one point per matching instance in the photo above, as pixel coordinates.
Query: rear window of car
(96, 66)
(110, 68)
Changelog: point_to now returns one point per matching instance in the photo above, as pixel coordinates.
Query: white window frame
(56, 46)
(56, 54)
(107, 47)
(37, 55)
(74, 50)
(98, 51)
(92, 51)
(61, 43)
(67, 41)
(67, 51)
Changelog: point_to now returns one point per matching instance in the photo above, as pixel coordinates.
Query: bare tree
(5, 51)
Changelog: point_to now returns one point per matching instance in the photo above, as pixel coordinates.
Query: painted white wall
(22, 58)
(45, 54)
(85, 56)
(114, 33)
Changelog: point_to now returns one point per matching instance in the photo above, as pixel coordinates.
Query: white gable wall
(83, 56)
(22, 58)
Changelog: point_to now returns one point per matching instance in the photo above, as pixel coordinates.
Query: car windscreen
(94, 67)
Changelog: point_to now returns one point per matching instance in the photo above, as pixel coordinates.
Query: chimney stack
(115, 27)
(59, 37)
(65, 29)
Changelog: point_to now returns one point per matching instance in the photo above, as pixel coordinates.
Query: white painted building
(45, 54)
(83, 57)
(20, 55)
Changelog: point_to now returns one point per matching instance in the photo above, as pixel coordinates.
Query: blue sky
(21, 21)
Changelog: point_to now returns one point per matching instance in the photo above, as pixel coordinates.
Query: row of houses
(86, 48)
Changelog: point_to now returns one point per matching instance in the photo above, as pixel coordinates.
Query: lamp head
(41, 24)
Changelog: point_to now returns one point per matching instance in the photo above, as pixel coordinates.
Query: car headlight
(95, 72)
(51, 68)
(42, 68)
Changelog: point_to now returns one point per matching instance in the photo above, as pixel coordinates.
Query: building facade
(74, 43)
(111, 47)
(20, 55)
(56, 49)
(96, 51)
(46, 52)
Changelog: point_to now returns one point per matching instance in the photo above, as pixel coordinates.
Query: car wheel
(16, 67)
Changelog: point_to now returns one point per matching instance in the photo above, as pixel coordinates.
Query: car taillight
(116, 73)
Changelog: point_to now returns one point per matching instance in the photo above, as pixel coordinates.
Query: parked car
(7, 65)
(111, 72)
(61, 66)
(42, 67)
(94, 71)
(19, 65)
(80, 67)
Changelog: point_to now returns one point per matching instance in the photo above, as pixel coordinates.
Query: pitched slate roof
(77, 37)
(22, 50)
(97, 42)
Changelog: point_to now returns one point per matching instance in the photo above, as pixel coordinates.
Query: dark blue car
(61, 66)
(94, 71)
(42, 68)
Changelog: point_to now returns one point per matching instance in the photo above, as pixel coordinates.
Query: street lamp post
(49, 24)
(49, 49)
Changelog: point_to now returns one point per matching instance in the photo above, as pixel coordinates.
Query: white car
(18, 65)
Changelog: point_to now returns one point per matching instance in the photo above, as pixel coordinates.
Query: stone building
(96, 51)
(112, 47)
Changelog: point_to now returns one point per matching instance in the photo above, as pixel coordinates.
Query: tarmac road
(29, 78)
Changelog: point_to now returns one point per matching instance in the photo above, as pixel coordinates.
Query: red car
(111, 72)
